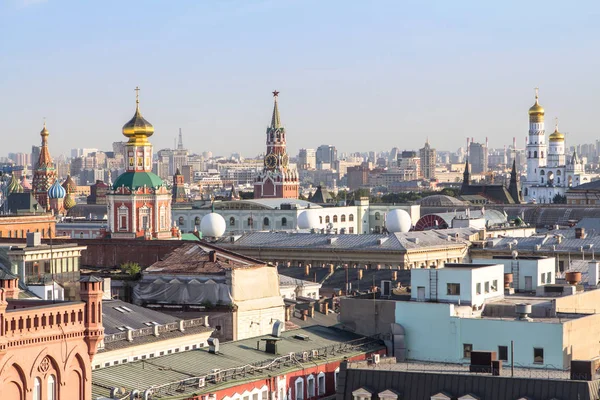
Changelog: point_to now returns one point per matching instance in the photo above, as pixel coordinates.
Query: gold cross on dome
(137, 94)
(537, 92)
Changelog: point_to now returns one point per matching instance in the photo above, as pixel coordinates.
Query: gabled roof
(197, 258)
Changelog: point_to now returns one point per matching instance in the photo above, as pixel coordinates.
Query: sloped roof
(116, 313)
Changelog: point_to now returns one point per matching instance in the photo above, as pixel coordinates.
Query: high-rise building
(409, 166)
(428, 158)
(357, 177)
(307, 159)
(478, 158)
(139, 203)
(277, 179)
(326, 154)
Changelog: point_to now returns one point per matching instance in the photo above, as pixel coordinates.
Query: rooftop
(179, 373)
(200, 258)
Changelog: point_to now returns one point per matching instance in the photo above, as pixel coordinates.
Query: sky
(361, 75)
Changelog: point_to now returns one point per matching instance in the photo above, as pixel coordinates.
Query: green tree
(559, 199)
(131, 268)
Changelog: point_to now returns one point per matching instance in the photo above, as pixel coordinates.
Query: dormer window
(362, 394)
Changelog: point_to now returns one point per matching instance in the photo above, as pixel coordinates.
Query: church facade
(549, 173)
(277, 179)
(139, 203)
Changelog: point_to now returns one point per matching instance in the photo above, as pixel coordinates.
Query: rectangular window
(299, 390)
(543, 278)
(255, 396)
(495, 285)
(351, 229)
(478, 288)
(538, 355)
(503, 353)
(453, 289)
(467, 349)
(549, 277)
(321, 384)
(311, 387)
(487, 287)
(265, 395)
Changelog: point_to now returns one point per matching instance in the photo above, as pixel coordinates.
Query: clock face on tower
(271, 161)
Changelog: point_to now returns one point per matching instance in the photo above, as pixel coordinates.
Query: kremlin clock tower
(139, 204)
(276, 180)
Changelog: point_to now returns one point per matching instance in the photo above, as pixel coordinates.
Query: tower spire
(180, 143)
(275, 119)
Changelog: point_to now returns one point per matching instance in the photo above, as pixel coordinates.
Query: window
(250, 221)
(265, 395)
(487, 287)
(467, 349)
(266, 221)
(321, 383)
(37, 389)
(284, 221)
(543, 277)
(549, 277)
(351, 229)
(503, 353)
(335, 218)
(351, 217)
(255, 396)
(145, 218)
(299, 389)
(231, 221)
(311, 386)
(335, 377)
(181, 221)
(327, 219)
(163, 217)
(197, 221)
(478, 288)
(343, 218)
(377, 216)
(51, 388)
(453, 289)
(495, 285)
(123, 216)
(538, 355)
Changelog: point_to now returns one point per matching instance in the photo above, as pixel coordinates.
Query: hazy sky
(362, 75)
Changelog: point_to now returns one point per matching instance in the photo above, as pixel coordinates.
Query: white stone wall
(254, 323)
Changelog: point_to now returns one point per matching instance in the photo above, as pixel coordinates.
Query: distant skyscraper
(326, 154)
(307, 159)
(478, 158)
(428, 157)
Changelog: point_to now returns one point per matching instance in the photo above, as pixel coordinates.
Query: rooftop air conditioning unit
(315, 353)
(305, 356)
(201, 382)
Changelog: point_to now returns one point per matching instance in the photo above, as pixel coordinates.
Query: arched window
(197, 221)
(181, 221)
(320, 219)
(51, 389)
(266, 221)
(335, 219)
(343, 218)
(37, 389)
(558, 172)
(327, 219)
(377, 216)
(535, 154)
(284, 221)
(250, 221)
(231, 221)
(542, 172)
(351, 217)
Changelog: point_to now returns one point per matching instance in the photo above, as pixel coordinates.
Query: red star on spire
(275, 93)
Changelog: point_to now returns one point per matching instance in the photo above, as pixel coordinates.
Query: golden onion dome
(536, 109)
(44, 131)
(556, 136)
(137, 129)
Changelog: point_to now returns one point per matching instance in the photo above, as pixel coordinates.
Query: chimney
(34, 239)
(212, 256)
(155, 330)
(311, 311)
(573, 277)
(10, 284)
(206, 321)
(331, 268)
(394, 275)
(181, 327)
(360, 274)
(130, 335)
(580, 233)
(307, 270)
(593, 273)
(213, 345)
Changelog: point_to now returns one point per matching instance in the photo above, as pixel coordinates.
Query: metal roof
(117, 313)
(178, 373)
(374, 242)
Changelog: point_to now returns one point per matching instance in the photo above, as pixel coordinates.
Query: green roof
(135, 180)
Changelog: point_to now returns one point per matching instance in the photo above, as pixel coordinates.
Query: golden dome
(536, 109)
(556, 136)
(44, 131)
(137, 129)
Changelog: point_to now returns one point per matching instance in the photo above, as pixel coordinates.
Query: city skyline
(392, 73)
